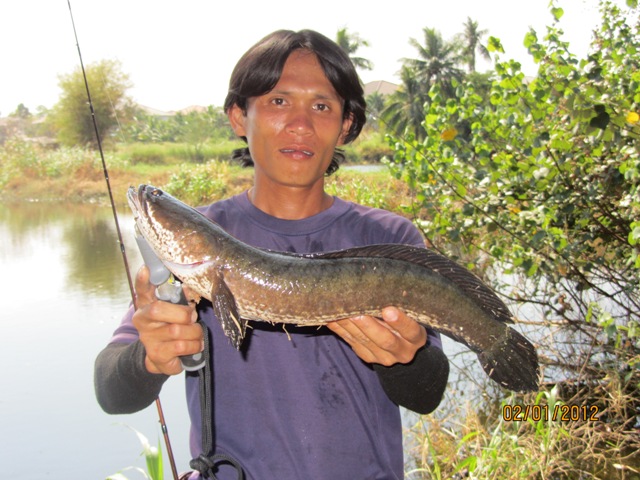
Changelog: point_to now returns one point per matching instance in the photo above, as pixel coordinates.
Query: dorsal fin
(460, 276)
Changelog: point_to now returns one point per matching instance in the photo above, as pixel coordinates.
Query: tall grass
(482, 440)
(153, 459)
(175, 153)
(19, 158)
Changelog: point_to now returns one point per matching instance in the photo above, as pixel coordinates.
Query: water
(365, 168)
(63, 292)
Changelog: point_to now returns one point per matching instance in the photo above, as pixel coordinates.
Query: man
(306, 403)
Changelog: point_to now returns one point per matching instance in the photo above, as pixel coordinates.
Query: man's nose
(300, 122)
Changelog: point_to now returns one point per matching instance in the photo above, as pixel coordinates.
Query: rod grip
(159, 276)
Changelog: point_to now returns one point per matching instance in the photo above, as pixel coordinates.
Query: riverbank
(30, 172)
(83, 181)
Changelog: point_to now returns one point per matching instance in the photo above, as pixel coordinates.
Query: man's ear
(237, 118)
(346, 126)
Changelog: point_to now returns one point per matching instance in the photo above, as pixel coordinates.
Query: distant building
(380, 86)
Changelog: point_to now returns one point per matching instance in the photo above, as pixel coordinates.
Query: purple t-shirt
(298, 403)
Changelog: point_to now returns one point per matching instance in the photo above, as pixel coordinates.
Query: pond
(64, 291)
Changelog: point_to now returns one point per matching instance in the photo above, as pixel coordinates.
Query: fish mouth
(134, 201)
(137, 200)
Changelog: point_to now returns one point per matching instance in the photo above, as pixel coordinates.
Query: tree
(437, 62)
(436, 65)
(197, 128)
(21, 112)
(546, 192)
(375, 106)
(351, 43)
(193, 127)
(404, 111)
(71, 116)
(471, 39)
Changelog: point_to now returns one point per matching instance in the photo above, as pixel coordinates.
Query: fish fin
(466, 281)
(512, 362)
(225, 309)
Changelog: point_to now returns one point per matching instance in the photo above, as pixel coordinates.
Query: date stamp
(559, 412)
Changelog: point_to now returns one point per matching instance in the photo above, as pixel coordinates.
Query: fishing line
(163, 424)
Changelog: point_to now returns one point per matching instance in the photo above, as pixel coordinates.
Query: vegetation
(72, 117)
(153, 459)
(351, 43)
(531, 183)
(439, 64)
(471, 40)
(538, 190)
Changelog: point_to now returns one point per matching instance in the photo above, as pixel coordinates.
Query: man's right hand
(166, 330)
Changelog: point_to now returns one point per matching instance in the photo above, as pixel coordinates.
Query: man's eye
(322, 107)
(278, 101)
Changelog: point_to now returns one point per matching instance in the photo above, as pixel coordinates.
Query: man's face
(292, 130)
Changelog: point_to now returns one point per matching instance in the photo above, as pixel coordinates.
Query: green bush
(201, 184)
(543, 186)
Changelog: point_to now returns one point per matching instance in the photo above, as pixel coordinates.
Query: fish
(245, 283)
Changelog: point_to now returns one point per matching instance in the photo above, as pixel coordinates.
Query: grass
(153, 459)
(483, 440)
(172, 153)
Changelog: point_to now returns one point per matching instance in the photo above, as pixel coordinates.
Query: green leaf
(557, 13)
(153, 456)
(530, 38)
(494, 45)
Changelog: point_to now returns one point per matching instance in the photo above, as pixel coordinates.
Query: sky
(179, 53)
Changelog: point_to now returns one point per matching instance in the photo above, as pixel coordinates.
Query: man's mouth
(297, 151)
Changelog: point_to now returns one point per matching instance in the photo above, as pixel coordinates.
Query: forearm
(420, 384)
(122, 382)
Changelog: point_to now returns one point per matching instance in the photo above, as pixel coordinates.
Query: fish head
(176, 232)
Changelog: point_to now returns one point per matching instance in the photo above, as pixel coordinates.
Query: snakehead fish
(246, 283)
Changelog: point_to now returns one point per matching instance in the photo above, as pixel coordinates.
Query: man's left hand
(393, 339)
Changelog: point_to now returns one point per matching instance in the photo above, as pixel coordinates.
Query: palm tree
(375, 105)
(437, 63)
(350, 43)
(471, 44)
(405, 107)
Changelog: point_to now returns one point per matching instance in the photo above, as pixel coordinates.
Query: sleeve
(122, 382)
(420, 384)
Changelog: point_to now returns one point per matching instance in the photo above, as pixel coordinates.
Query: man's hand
(394, 339)
(166, 330)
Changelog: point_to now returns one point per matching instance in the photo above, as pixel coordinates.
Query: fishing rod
(163, 425)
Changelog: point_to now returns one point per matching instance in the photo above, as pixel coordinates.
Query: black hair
(259, 70)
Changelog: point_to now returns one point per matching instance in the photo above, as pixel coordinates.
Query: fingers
(394, 339)
(406, 327)
(145, 291)
(166, 330)
(167, 343)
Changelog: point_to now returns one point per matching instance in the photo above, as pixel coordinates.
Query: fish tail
(512, 362)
